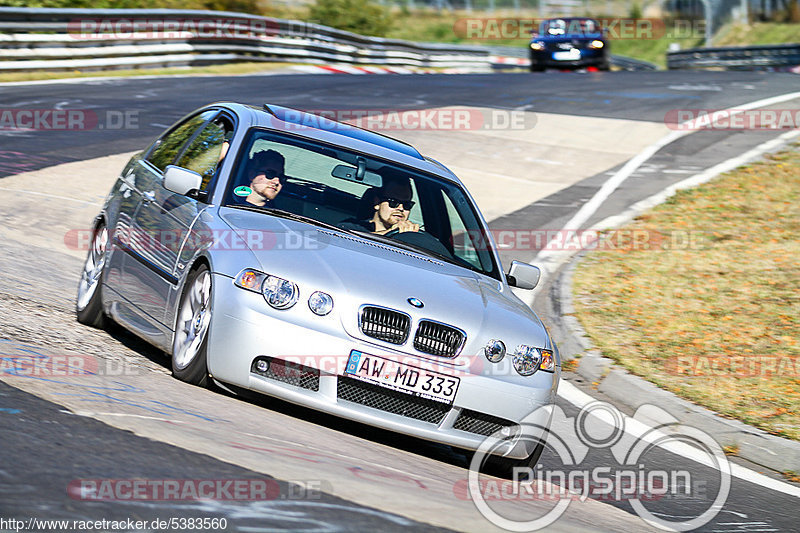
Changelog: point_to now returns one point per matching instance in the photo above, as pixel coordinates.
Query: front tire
(89, 303)
(190, 342)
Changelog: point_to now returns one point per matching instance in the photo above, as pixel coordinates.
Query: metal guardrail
(42, 38)
(736, 57)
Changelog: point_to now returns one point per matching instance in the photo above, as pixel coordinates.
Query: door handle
(149, 196)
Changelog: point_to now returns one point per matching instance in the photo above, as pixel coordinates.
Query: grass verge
(701, 295)
(229, 69)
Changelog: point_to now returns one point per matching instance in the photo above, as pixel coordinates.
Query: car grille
(391, 401)
(385, 324)
(438, 339)
(295, 374)
(481, 423)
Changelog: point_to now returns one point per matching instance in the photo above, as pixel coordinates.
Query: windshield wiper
(291, 216)
(414, 248)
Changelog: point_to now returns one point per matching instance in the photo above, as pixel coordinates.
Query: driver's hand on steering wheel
(403, 226)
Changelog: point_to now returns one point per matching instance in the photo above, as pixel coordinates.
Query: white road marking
(551, 257)
(579, 399)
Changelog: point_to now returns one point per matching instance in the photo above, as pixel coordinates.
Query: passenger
(266, 175)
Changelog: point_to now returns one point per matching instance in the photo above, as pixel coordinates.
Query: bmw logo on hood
(416, 302)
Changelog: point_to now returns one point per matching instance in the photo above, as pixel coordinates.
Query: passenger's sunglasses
(394, 203)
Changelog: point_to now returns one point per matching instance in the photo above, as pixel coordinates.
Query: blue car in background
(569, 43)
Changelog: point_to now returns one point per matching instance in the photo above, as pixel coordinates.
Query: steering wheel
(395, 231)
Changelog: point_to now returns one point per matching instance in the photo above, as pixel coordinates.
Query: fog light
(261, 365)
(320, 303)
(494, 350)
(527, 360)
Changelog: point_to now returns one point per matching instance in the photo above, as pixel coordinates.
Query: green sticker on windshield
(242, 191)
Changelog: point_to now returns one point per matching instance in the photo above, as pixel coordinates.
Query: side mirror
(523, 275)
(180, 180)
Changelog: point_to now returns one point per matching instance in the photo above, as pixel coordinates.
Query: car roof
(302, 123)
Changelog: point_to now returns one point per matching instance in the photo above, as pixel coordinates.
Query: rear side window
(169, 146)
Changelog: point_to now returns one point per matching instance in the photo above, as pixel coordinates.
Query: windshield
(353, 192)
(570, 27)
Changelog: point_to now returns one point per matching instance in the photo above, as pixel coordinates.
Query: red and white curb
(359, 70)
(514, 61)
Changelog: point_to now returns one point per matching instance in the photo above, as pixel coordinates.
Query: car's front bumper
(244, 328)
(588, 58)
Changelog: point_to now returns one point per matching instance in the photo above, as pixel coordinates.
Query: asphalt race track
(132, 420)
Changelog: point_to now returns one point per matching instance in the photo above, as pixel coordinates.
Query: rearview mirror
(523, 275)
(351, 174)
(180, 180)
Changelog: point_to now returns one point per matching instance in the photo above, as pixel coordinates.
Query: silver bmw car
(273, 250)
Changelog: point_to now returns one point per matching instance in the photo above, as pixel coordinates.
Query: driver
(387, 207)
(391, 205)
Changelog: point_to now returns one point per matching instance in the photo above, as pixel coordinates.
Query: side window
(206, 150)
(169, 146)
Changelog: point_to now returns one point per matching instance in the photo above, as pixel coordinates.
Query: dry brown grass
(716, 321)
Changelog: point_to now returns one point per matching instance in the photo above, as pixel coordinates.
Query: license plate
(570, 55)
(402, 377)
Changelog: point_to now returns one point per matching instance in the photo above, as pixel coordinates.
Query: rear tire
(190, 342)
(89, 303)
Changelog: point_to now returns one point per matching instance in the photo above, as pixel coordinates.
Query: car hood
(357, 272)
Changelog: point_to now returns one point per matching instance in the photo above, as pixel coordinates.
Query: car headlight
(494, 350)
(320, 303)
(528, 359)
(597, 44)
(537, 45)
(280, 293)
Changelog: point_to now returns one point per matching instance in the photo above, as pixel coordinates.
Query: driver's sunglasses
(269, 173)
(394, 203)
